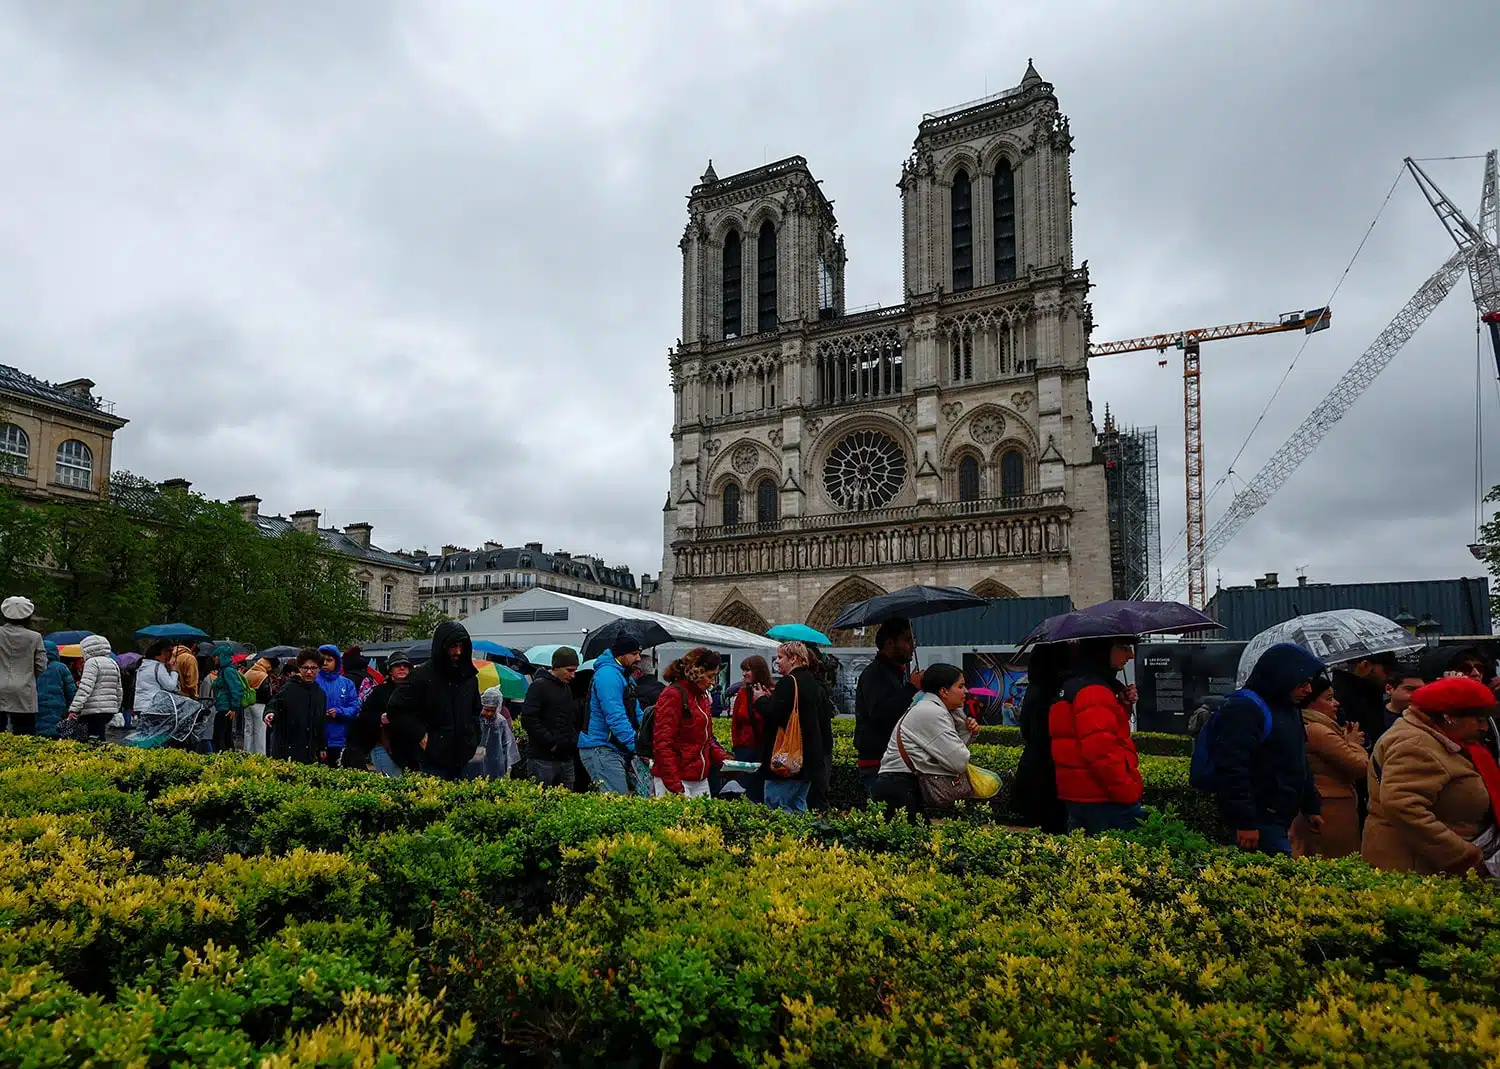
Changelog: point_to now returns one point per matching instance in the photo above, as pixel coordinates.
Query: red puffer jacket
(684, 747)
(1091, 744)
(746, 730)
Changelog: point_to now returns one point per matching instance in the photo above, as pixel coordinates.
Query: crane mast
(1189, 341)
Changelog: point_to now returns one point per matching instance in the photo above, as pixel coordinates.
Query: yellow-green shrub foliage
(163, 909)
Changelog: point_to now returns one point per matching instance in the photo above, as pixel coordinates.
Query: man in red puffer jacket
(683, 744)
(1098, 774)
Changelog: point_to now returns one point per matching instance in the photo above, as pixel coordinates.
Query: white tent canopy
(540, 617)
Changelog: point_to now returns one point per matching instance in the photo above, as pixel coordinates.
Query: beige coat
(22, 658)
(1338, 764)
(1426, 801)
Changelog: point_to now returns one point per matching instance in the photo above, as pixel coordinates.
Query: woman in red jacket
(683, 743)
(1098, 776)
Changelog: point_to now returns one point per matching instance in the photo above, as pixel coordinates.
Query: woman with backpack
(1098, 776)
(683, 747)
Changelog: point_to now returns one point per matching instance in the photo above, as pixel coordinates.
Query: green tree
(25, 541)
(425, 622)
(104, 571)
(1489, 539)
(313, 596)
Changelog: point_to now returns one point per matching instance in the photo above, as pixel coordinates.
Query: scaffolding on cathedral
(1132, 487)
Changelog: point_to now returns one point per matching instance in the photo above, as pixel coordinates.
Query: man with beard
(435, 715)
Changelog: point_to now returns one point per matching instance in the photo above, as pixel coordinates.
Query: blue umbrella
(1121, 619)
(67, 638)
(173, 631)
(494, 649)
(798, 633)
(541, 656)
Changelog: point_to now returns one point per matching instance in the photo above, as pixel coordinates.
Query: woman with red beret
(1434, 788)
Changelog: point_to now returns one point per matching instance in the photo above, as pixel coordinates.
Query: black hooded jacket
(1266, 783)
(550, 717)
(438, 701)
(299, 722)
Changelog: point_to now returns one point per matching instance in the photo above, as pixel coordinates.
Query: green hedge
(158, 908)
(1156, 743)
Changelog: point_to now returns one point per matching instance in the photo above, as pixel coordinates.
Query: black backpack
(645, 733)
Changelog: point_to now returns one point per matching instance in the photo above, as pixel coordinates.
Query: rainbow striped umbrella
(512, 684)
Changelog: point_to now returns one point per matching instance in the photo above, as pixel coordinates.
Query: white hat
(17, 608)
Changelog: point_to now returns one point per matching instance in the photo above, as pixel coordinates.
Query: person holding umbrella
(1098, 772)
(883, 695)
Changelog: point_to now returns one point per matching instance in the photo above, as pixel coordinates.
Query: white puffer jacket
(100, 691)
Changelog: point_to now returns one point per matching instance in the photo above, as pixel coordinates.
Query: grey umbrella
(1338, 636)
(906, 603)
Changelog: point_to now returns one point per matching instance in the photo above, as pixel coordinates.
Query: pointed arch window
(1005, 222)
(1012, 474)
(765, 501)
(963, 233)
(962, 354)
(731, 505)
(968, 479)
(732, 287)
(766, 277)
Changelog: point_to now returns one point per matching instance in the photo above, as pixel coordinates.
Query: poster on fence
(1175, 677)
(1003, 684)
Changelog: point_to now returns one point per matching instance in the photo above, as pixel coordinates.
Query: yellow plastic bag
(985, 783)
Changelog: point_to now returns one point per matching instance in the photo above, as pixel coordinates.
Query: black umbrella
(206, 649)
(647, 632)
(1121, 619)
(276, 653)
(418, 652)
(906, 603)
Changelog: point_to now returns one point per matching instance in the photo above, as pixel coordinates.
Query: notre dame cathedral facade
(821, 457)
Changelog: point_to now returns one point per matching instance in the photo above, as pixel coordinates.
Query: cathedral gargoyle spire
(710, 175)
(1031, 77)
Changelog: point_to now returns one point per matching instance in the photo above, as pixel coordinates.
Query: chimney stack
(535, 547)
(1268, 582)
(490, 547)
(359, 534)
(177, 484)
(249, 506)
(306, 521)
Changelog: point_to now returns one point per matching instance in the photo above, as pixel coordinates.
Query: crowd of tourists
(1392, 759)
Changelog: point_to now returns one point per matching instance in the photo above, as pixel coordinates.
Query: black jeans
(96, 723)
(899, 791)
(20, 723)
(334, 753)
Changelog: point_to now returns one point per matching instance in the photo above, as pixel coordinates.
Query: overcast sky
(416, 263)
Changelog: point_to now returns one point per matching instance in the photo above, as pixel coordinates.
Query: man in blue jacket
(1262, 776)
(343, 702)
(607, 747)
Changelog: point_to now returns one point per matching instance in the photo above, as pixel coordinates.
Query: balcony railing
(955, 510)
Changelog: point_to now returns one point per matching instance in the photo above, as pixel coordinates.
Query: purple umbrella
(1122, 619)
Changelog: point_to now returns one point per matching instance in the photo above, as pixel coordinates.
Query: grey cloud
(417, 264)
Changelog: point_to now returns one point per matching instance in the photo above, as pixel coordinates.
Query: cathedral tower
(820, 457)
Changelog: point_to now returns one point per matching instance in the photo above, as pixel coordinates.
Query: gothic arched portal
(742, 615)
(992, 588)
(843, 593)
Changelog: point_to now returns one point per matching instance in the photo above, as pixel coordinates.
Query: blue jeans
(1274, 840)
(383, 763)
(787, 795)
(1095, 817)
(868, 776)
(606, 767)
(551, 773)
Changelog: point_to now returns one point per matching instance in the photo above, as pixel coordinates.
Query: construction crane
(1477, 254)
(1189, 341)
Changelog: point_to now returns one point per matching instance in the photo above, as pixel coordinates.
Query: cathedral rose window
(865, 470)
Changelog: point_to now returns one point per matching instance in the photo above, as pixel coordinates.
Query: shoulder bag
(938, 792)
(786, 750)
